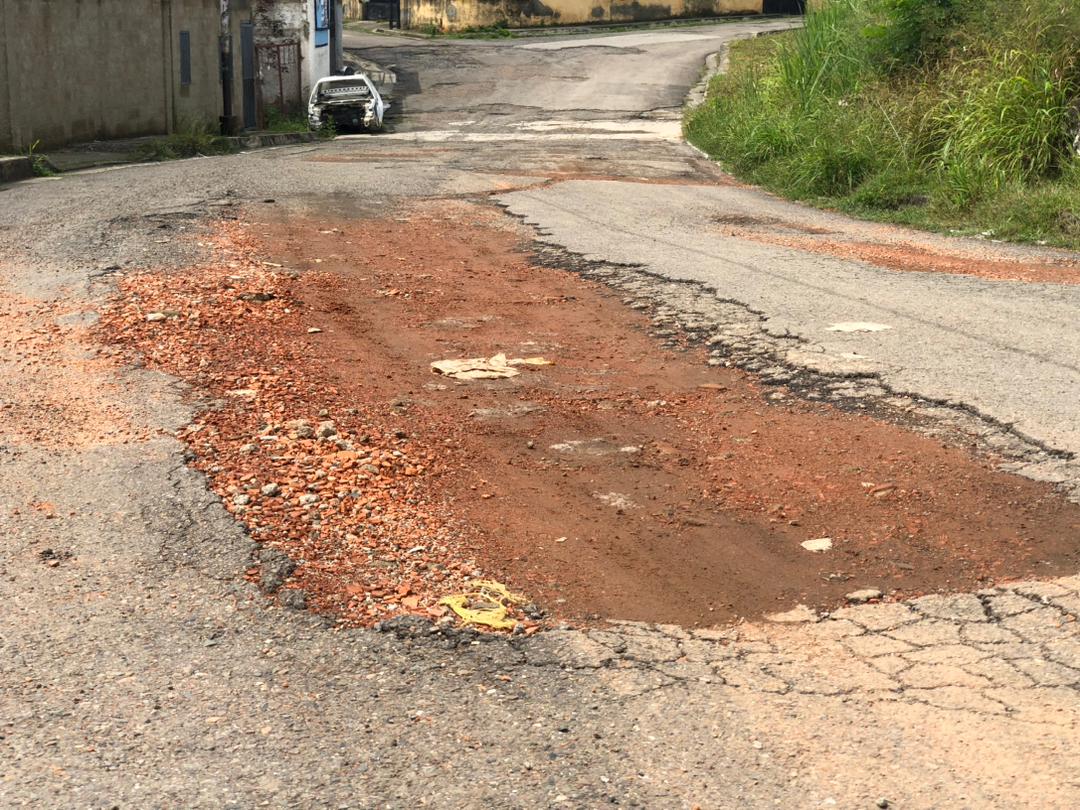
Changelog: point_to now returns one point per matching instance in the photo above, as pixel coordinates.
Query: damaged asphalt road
(138, 668)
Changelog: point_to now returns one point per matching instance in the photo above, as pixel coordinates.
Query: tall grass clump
(192, 139)
(922, 111)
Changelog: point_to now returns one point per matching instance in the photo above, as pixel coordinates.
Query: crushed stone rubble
(333, 482)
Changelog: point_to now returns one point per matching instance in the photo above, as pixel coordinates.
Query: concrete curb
(19, 167)
(75, 159)
(715, 64)
(262, 140)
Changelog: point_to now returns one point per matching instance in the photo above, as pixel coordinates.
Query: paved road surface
(142, 671)
(1007, 351)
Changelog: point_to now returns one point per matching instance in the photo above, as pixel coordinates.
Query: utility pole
(225, 48)
(337, 40)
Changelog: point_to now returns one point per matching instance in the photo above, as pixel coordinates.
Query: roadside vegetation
(952, 115)
(192, 141)
(38, 162)
(201, 139)
(281, 121)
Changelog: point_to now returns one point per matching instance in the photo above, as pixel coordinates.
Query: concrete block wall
(453, 15)
(79, 70)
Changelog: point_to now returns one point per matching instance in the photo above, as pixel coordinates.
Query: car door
(378, 104)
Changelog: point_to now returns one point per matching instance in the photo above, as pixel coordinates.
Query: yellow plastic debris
(486, 603)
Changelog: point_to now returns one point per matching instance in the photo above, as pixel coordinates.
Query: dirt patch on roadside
(626, 481)
(897, 256)
(320, 471)
(55, 390)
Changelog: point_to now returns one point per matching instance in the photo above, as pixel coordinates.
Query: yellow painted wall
(451, 15)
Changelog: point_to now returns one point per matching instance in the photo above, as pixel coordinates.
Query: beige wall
(458, 14)
(79, 70)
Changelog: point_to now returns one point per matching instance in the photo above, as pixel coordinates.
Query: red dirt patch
(626, 481)
(322, 472)
(911, 257)
(54, 393)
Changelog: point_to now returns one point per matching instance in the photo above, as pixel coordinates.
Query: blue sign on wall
(322, 23)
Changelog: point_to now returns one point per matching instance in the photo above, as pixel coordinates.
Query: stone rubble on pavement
(344, 498)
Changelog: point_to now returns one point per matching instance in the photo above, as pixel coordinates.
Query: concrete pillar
(227, 113)
(167, 64)
(337, 37)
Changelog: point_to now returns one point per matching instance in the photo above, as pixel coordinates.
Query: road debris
(863, 595)
(486, 368)
(487, 603)
(331, 487)
(617, 414)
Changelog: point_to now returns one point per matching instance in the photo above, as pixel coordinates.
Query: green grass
(499, 30)
(193, 141)
(39, 164)
(278, 121)
(951, 115)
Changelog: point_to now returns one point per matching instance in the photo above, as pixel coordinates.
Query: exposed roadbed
(622, 482)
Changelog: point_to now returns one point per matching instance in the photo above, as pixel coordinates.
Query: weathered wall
(354, 9)
(283, 20)
(201, 102)
(458, 14)
(81, 70)
(5, 86)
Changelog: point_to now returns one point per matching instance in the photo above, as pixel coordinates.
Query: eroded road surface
(234, 491)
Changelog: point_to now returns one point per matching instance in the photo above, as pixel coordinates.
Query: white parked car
(351, 102)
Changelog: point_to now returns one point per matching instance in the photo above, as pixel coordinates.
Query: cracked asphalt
(138, 668)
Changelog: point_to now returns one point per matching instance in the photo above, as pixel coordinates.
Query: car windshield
(351, 89)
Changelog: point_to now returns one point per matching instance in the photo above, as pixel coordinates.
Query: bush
(919, 32)
(39, 164)
(193, 140)
(886, 107)
(280, 121)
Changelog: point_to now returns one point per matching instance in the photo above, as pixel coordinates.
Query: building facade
(82, 70)
(79, 70)
(456, 15)
(299, 42)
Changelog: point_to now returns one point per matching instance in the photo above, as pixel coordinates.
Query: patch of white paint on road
(618, 41)
(664, 129)
(669, 132)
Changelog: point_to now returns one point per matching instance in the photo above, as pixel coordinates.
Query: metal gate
(379, 10)
(784, 7)
(279, 79)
